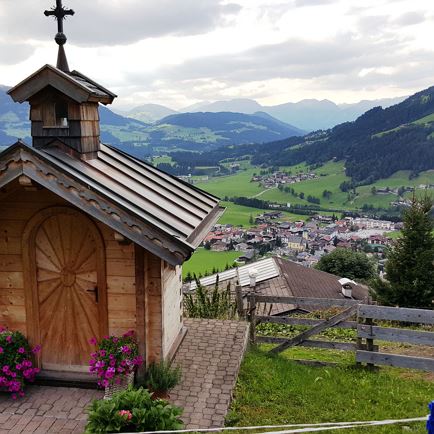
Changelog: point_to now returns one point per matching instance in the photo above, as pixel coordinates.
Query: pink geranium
(115, 357)
(126, 413)
(16, 362)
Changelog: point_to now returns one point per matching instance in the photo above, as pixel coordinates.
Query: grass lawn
(239, 215)
(274, 390)
(205, 260)
(233, 185)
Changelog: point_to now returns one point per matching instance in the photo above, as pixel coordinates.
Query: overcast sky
(179, 52)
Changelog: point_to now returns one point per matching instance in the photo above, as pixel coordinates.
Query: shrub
(115, 357)
(211, 304)
(132, 411)
(161, 377)
(16, 366)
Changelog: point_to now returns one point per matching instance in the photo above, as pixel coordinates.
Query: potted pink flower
(115, 362)
(16, 362)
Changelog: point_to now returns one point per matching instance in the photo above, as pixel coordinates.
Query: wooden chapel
(92, 240)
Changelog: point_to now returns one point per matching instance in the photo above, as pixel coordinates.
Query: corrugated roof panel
(266, 268)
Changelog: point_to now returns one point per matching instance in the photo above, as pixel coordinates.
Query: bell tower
(63, 104)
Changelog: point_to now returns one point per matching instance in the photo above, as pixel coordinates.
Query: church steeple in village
(63, 104)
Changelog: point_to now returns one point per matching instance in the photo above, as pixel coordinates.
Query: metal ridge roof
(177, 209)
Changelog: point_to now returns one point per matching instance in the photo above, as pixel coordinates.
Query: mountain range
(308, 114)
(374, 146)
(189, 131)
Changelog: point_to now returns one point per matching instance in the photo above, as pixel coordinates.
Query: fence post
(252, 317)
(369, 342)
(359, 340)
(239, 301)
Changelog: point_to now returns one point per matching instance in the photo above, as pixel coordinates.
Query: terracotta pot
(161, 394)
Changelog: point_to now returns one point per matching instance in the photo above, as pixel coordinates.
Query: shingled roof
(155, 210)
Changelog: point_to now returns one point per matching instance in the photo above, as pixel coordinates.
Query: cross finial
(60, 13)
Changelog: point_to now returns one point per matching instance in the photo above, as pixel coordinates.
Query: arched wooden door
(67, 259)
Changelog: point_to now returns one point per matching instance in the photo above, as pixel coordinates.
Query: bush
(211, 304)
(132, 411)
(16, 364)
(161, 377)
(349, 264)
(115, 357)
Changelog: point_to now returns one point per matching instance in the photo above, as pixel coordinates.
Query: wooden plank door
(69, 268)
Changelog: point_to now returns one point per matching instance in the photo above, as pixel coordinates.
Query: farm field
(239, 215)
(331, 175)
(203, 261)
(233, 185)
(275, 390)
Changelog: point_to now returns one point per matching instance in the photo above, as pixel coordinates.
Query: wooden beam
(307, 301)
(419, 316)
(396, 335)
(315, 330)
(303, 321)
(344, 346)
(25, 181)
(399, 361)
(139, 260)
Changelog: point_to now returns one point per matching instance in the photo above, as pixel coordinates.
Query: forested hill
(233, 128)
(376, 145)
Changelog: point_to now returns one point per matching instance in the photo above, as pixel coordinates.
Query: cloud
(410, 19)
(296, 59)
(348, 63)
(12, 53)
(303, 3)
(117, 22)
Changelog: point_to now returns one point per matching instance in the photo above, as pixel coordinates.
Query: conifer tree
(410, 267)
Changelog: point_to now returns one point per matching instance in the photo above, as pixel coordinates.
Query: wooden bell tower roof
(73, 84)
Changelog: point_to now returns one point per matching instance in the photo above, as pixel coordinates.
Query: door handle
(95, 291)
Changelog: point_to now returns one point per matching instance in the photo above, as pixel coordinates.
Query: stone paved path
(210, 357)
(46, 410)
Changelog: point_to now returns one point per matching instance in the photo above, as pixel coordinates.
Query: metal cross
(60, 13)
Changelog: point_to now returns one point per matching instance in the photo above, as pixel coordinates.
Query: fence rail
(367, 332)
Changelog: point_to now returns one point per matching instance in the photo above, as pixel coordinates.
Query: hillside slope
(230, 128)
(377, 144)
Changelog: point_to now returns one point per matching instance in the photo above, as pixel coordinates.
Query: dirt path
(262, 192)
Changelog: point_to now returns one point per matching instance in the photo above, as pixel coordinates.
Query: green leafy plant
(162, 377)
(132, 410)
(211, 304)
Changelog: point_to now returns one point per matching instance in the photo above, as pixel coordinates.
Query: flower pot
(160, 394)
(125, 382)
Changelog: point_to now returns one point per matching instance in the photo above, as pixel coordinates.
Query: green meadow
(203, 261)
(274, 390)
(330, 176)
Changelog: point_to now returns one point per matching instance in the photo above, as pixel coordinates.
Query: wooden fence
(355, 316)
